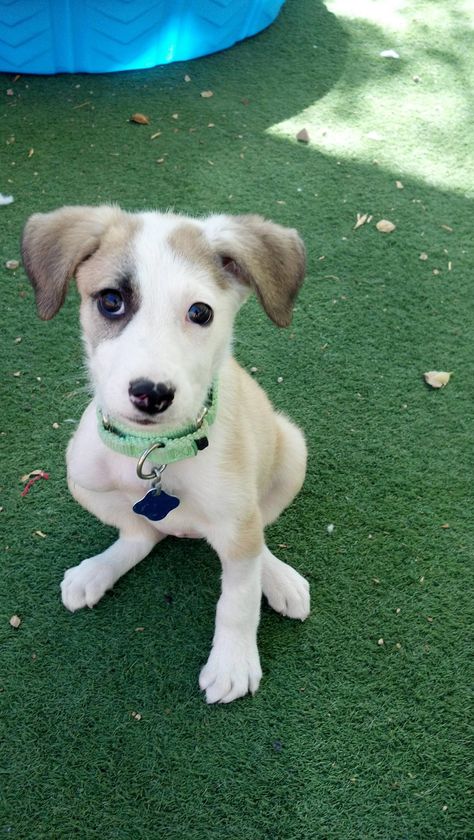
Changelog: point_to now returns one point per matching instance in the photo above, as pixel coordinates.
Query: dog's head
(159, 295)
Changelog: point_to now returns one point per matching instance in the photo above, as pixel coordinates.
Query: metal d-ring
(201, 416)
(156, 470)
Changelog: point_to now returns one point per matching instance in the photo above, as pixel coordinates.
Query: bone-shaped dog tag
(156, 505)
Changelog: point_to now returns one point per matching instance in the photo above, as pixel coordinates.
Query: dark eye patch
(115, 305)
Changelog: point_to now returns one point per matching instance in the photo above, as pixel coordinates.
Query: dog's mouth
(142, 421)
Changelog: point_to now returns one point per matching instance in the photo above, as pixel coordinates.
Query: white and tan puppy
(159, 296)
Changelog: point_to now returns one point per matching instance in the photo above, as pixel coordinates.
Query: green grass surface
(347, 739)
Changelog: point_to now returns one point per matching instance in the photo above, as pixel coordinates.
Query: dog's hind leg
(288, 472)
(286, 590)
(85, 584)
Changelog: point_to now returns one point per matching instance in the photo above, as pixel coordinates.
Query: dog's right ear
(54, 245)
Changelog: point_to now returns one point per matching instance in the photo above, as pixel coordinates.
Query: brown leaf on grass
(206, 94)
(141, 119)
(384, 226)
(437, 378)
(303, 136)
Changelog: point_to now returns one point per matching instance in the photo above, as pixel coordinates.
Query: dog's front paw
(285, 589)
(232, 670)
(84, 585)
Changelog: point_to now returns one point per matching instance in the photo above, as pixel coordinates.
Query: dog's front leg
(85, 584)
(233, 668)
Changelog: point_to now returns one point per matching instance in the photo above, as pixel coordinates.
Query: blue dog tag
(156, 505)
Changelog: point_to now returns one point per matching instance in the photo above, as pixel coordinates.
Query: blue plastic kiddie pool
(100, 36)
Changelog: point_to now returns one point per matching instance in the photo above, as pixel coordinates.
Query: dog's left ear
(264, 256)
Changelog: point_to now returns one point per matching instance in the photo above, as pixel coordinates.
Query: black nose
(150, 397)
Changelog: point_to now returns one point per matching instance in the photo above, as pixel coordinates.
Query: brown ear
(53, 246)
(267, 257)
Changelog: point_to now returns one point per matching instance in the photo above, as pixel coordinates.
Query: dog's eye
(111, 304)
(200, 313)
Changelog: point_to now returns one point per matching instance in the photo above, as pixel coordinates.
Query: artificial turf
(348, 738)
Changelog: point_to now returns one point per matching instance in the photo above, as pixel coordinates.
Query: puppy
(173, 416)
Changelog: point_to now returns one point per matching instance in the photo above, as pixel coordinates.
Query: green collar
(175, 446)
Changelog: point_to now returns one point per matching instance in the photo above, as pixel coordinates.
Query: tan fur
(54, 244)
(189, 242)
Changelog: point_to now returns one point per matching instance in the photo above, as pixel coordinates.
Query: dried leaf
(446, 227)
(31, 153)
(155, 135)
(399, 185)
(303, 136)
(141, 119)
(28, 475)
(15, 621)
(40, 534)
(361, 220)
(206, 94)
(384, 226)
(437, 378)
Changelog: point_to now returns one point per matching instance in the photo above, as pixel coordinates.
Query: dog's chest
(187, 519)
(95, 467)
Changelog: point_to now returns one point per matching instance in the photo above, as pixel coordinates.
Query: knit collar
(177, 445)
